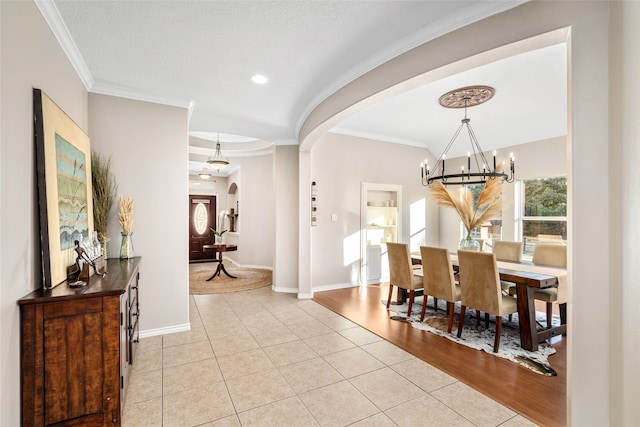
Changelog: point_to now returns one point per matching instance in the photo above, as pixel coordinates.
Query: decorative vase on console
(126, 247)
(125, 217)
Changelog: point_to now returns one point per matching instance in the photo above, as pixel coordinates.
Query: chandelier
(478, 169)
(217, 161)
(204, 174)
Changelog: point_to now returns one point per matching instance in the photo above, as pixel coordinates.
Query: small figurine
(81, 259)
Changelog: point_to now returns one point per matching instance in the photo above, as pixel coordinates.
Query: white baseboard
(315, 289)
(168, 330)
(334, 287)
(261, 267)
(284, 290)
(305, 296)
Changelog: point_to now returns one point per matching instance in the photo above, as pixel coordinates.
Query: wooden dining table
(528, 277)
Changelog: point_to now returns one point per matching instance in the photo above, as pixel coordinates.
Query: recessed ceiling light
(259, 79)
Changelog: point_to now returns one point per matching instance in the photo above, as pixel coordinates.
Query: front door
(202, 218)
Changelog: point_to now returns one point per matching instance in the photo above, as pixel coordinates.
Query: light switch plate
(334, 217)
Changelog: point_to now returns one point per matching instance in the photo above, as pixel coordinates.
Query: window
(543, 212)
(200, 218)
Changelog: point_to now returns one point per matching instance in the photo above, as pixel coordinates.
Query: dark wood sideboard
(77, 345)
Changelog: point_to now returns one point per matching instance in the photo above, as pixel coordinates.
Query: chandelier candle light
(463, 98)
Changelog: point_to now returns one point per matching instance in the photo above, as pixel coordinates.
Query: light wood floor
(539, 398)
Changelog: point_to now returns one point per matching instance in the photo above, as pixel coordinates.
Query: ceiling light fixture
(478, 171)
(217, 161)
(259, 79)
(205, 173)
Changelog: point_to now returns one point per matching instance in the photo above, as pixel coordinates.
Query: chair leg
(486, 320)
(477, 317)
(390, 292)
(463, 310)
(450, 310)
(563, 313)
(411, 295)
(424, 307)
(435, 304)
(549, 315)
(496, 341)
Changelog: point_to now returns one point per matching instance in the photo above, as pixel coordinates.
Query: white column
(304, 226)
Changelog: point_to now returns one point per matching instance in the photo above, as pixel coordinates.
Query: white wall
(30, 57)
(340, 164)
(624, 201)
(148, 148)
(256, 226)
(285, 265)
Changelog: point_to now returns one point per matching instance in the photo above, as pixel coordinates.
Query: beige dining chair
(554, 255)
(439, 282)
(401, 272)
(480, 289)
(506, 250)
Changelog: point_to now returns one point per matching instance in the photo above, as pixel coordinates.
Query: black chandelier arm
(441, 160)
(477, 150)
(466, 178)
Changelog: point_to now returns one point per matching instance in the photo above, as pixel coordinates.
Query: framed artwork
(63, 163)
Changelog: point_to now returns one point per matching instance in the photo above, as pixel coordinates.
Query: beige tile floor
(260, 358)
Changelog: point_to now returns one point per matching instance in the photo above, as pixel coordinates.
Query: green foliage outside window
(545, 198)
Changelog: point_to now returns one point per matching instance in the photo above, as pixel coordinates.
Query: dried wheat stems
(125, 214)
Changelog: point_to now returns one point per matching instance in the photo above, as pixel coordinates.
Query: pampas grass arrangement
(487, 207)
(125, 214)
(104, 189)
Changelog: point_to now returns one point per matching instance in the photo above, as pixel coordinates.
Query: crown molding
(121, 92)
(52, 16)
(377, 137)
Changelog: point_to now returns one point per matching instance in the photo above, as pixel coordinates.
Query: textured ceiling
(202, 54)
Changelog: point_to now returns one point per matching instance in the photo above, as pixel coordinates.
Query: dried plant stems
(104, 189)
(125, 214)
(487, 207)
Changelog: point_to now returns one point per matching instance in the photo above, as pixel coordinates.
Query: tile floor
(260, 358)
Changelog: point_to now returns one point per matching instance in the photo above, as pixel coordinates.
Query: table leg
(527, 317)
(217, 272)
(225, 271)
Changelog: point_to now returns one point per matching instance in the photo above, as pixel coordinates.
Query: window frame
(519, 201)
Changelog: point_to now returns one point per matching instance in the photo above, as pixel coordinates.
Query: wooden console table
(76, 347)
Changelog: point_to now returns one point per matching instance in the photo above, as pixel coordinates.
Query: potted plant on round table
(218, 238)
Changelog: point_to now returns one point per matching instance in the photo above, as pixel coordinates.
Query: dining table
(528, 277)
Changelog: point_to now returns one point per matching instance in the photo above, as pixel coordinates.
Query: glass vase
(469, 243)
(126, 247)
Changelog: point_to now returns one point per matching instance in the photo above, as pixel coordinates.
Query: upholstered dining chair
(480, 289)
(401, 272)
(439, 281)
(506, 250)
(553, 255)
